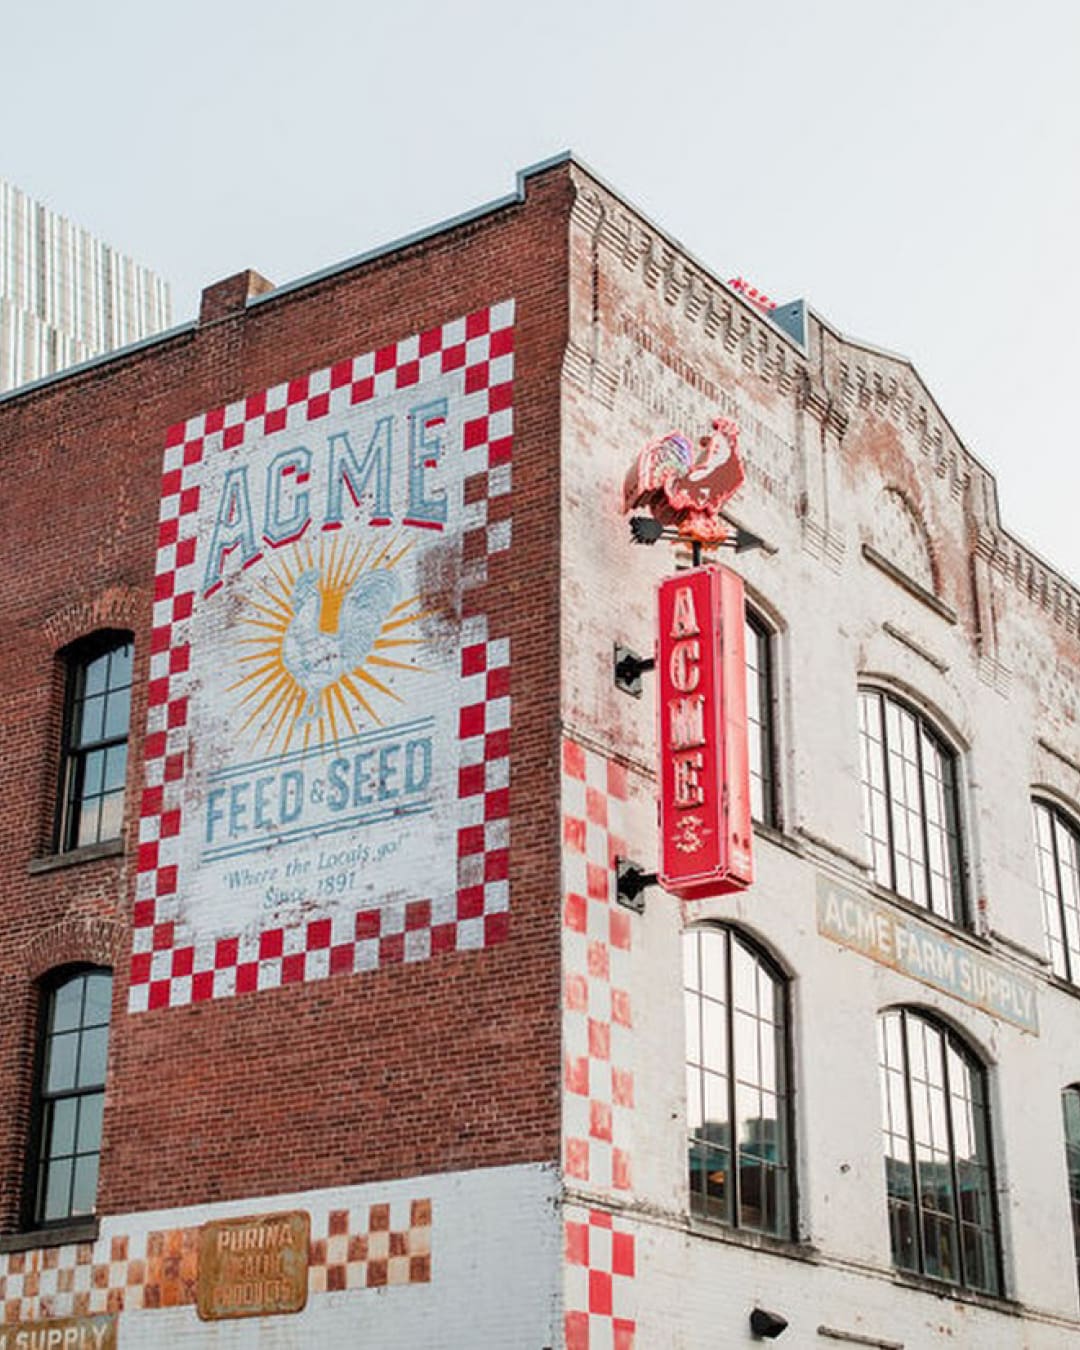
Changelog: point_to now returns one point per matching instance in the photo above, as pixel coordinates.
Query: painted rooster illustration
(686, 487)
(333, 630)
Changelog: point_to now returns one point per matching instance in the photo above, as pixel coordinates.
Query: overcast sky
(912, 171)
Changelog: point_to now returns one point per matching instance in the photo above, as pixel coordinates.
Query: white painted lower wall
(492, 1236)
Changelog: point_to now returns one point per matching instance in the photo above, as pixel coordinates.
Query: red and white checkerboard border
(598, 1076)
(170, 970)
(599, 1263)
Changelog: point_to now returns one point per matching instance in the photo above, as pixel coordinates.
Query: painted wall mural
(326, 763)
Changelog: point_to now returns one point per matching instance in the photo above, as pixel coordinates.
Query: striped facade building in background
(65, 295)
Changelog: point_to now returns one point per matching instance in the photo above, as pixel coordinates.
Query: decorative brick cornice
(819, 402)
(686, 286)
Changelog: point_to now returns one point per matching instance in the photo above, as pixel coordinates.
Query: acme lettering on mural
(346, 474)
(97, 1333)
(901, 942)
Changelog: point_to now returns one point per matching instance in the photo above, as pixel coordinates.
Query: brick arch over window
(119, 607)
(74, 942)
(899, 535)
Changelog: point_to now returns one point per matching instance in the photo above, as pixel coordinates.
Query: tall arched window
(737, 1097)
(94, 752)
(759, 718)
(1070, 1105)
(938, 1171)
(910, 805)
(70, 1096)
(1058, 841)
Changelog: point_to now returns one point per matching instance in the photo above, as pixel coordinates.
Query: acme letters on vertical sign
(703, 773)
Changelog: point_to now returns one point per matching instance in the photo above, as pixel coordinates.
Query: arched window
(70, 1096)
(910, 805)
(1070, 1105)
(1058, 841)
(94, 751)
(938, 1172)
(759, 716)
(737, 1097)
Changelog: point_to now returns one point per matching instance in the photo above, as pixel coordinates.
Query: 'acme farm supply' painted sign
(703, 770)
(61, 1333)
(327, 749)
(900, 941)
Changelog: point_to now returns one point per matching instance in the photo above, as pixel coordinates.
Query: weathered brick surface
(427, 1067)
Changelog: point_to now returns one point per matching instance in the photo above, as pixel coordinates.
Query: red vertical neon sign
(704, 775)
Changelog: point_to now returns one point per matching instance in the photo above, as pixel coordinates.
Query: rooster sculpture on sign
(687, 486)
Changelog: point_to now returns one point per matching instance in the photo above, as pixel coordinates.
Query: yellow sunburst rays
(277, 703)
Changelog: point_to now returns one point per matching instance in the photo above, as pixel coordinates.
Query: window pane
(66, 1006)
(98, 999)
(57, 1190)
(92, 1056)
(60, 1129)
(60, 1062)
(117, 713)
(693, 1100)
(93, 773)
(115, 768)
(84, 1190)
(714, 1035)
(95, 678)
(112, 816)
(90, 720)
(91, 1110)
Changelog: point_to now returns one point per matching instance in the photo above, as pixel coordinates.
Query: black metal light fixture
(631, 880)
(767, 1325)
(629, 668)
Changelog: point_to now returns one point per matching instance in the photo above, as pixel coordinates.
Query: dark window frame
(950, 829)
(73, 799)
(736, 1214)
(762, 732)
(41, 1144)
(1071, 1123)
(930, 1222)
(1064, 956)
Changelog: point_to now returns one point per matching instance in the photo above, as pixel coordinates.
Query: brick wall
(418, 1067)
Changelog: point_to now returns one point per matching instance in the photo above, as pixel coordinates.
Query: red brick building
(321, 1008)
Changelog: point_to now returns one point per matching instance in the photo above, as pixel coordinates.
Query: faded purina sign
(61, 1333)
(898, 940)
(253, 1266)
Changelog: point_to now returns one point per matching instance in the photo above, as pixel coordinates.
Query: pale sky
(912, 171)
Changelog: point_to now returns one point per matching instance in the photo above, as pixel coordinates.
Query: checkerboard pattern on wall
(367, 1247)
(598, 1074)
(327, 749)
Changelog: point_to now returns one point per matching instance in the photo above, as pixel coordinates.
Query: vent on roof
(791, 318)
